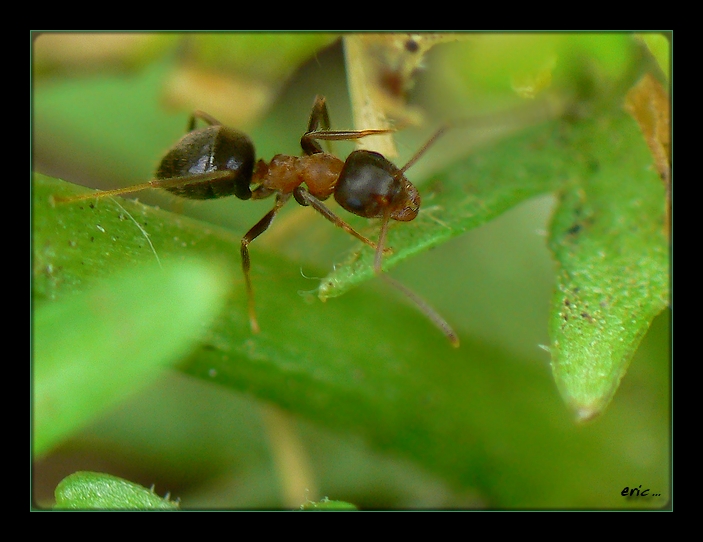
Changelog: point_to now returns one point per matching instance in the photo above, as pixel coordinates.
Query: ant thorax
(284, 173)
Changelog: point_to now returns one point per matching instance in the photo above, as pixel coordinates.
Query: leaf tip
(587, 414)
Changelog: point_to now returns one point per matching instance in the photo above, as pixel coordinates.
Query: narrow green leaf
(465, 196)
(608, 238)
(98, 491)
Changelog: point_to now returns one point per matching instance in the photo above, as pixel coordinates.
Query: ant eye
(370, 186)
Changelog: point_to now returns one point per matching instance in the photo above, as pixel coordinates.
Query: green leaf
(93, 349)
(660, 48)
(361, 364)
(328, 506)
(98, 491)
(608, 237)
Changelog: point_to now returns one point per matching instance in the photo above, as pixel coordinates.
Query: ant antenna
(420, 303)
(431, 141)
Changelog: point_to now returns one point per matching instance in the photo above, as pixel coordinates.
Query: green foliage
(364, 363)
(328, 505)
(608, 238)
(99, 346)
(97, 491)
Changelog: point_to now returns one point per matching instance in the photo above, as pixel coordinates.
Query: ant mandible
(217, 161)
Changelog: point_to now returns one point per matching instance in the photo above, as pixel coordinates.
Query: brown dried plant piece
(648, 103)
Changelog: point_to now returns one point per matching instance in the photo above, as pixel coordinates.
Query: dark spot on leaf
(573, 230)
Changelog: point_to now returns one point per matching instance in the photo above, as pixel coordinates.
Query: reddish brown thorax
(284, 173)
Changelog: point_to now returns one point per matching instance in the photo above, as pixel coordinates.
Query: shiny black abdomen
(213, 148)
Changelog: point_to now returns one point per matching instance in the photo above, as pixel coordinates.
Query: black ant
(216, 161)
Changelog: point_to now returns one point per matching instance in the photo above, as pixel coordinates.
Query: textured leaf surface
(351, 364)
(608, 238)
(97, 491)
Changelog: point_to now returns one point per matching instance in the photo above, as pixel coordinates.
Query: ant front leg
(305, 198)
(260, 227)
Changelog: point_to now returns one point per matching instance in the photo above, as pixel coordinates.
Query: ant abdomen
(209, 149)
(371, 186)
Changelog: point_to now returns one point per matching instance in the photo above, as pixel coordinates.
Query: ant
(217, 161)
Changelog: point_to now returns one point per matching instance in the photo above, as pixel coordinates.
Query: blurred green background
(105, 110)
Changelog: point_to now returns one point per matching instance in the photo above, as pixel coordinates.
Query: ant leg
(422, 149)
(420, 303)
(198, 114)
(305, 198)
(377, 259)
(260, 227)
(425, 309)
(171, 182)
(319, 116)
(308, 143)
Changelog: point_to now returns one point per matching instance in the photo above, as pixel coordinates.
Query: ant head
(372, 187)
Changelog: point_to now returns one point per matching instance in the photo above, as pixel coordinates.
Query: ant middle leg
(260, 227)
(319, 115)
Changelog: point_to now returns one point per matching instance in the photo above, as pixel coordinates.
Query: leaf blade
(608, 239)
(91, 350)
(97, 491)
